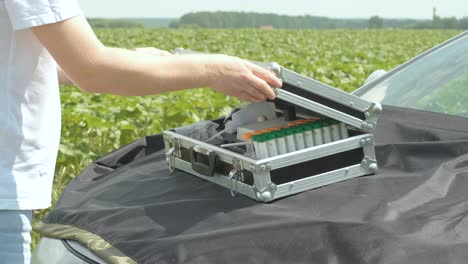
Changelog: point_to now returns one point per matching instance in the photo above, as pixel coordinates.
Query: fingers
(261, 87)
(259, 97)
(266, 75)
(165, 53)
(248, 97)
(248, 91)
(246, 80)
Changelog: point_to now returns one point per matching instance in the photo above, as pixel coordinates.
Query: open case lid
(311, 96)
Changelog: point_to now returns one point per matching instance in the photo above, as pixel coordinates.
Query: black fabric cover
(414, 210)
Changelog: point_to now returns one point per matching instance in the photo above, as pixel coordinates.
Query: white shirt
(29, 103)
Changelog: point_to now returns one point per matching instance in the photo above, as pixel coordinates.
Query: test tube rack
(308, 154)
(299, 135)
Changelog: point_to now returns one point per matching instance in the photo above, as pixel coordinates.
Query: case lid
(311, 96)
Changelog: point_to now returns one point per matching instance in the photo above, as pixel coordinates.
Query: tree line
(259, 20)
(113, 23)
(445, 23)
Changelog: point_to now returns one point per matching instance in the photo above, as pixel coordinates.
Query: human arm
(96, 68)
(64, 80)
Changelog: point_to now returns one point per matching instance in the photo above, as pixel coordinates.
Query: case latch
(235, 176)
(173, 152)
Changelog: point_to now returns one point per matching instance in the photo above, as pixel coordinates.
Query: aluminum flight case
(303, 168)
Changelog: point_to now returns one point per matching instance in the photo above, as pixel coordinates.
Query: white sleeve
(30, 13)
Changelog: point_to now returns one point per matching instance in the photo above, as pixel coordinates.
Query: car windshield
(436, 82)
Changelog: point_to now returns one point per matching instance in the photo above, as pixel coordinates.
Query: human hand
(152, 51)
(236, 77)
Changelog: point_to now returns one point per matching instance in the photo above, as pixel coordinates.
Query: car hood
(414, 210)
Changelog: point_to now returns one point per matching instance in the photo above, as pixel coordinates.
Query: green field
(94, 124)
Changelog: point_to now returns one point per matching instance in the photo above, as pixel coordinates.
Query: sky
(421, 9)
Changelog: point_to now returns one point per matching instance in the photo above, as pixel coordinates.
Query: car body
(435, 81)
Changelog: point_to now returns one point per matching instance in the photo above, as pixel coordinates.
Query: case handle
(200, 167)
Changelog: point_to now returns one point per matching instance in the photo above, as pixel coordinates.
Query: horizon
(338, 9)
(399, 18)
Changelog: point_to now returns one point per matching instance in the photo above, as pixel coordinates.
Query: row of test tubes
(298, 135)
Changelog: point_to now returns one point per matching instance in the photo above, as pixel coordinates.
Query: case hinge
(371, 115)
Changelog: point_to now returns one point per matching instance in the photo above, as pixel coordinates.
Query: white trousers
(15, 237)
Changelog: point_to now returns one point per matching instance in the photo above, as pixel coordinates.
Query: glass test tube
(343, 131)
(271, 144)
(291, 145)
(335, 130)
(308, 135)
(281, 141)
(317, 133)
(260, 144)
(299, 137)
(326, 132)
